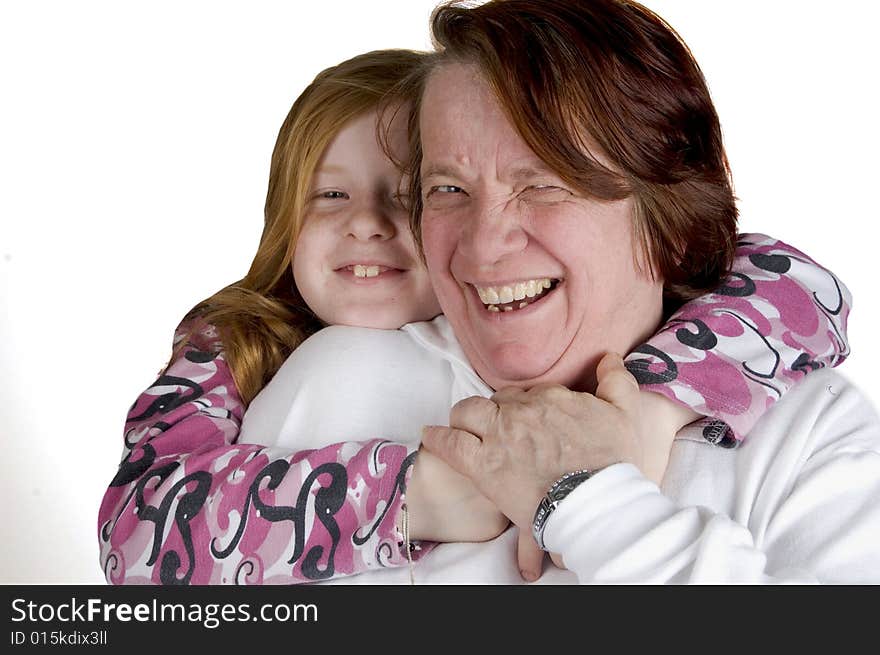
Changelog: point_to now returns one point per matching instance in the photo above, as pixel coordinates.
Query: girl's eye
(333, 195)
(400, 198)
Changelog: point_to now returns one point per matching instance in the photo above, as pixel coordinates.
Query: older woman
(577, 141)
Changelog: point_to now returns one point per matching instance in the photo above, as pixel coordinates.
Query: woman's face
(356, 261)
(498, 224)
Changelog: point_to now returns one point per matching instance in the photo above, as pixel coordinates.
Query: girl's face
(356, 262)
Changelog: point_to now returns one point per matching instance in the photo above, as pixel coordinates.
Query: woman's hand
(445, 506)
(657, 410)
(516, 445)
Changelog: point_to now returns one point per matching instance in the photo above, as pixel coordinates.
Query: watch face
(557, 492)
(567, 485)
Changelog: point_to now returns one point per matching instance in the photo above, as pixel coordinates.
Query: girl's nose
(371, 222)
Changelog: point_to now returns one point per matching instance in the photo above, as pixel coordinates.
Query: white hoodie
(798, 502)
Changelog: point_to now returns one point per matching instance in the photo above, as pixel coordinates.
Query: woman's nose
(493, 233)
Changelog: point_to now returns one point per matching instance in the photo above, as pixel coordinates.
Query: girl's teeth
(365, 271)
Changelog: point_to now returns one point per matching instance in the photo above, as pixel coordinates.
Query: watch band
(558, 490)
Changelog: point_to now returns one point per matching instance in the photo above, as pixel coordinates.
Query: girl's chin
(368, 318)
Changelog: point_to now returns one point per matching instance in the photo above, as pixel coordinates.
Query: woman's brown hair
(262, 317)
(581, 75)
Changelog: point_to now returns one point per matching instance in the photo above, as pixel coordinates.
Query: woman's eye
(333, 195)
(445, 188)
(545, 193)
(445, 196)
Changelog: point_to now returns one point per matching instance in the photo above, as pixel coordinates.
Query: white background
(134, 152)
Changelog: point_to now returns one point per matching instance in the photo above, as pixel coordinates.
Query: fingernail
(529, 576)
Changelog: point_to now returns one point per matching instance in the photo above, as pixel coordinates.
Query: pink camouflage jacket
(189, 505)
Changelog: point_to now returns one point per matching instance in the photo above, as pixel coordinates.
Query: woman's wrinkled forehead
(458, 92)
(465, 130)
(459, 96)
(467, 73)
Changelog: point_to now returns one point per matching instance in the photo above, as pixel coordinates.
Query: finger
(508, 394)
(457, 448)
(529, 557)
(556, 558)
(616, 385)
(476, 415)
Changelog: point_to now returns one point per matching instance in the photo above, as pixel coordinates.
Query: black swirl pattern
(130, 470)
(640, 368)
(805, 364)
(703, 339)
(200, 356)
(777, 358)
(328, 501)
(828, 310)
(188, 506)
(111, 565)
(399, 485)
(773, 263)
(171, 400)
(747, 288)
(241, 575)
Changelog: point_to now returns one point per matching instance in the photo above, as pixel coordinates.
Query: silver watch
(559, 490)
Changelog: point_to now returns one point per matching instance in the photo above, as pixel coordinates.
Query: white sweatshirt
(354, 384)
(799, 501)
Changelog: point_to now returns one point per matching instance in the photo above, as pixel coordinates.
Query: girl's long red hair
(262, 317)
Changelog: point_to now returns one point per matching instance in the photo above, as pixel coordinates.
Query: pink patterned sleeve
(731, 354)
(190, 506)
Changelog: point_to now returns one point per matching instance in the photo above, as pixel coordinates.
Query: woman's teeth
(514, 296)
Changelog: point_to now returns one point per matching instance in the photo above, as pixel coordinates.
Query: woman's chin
(516, 366)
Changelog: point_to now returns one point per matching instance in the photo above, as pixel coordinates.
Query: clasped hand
(512, 447)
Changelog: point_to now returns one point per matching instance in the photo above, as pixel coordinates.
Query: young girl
(191, 504)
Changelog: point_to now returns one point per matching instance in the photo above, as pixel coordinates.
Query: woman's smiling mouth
(515, 296)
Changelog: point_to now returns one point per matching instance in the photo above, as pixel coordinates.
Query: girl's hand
(661, 420)
(445, 506)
